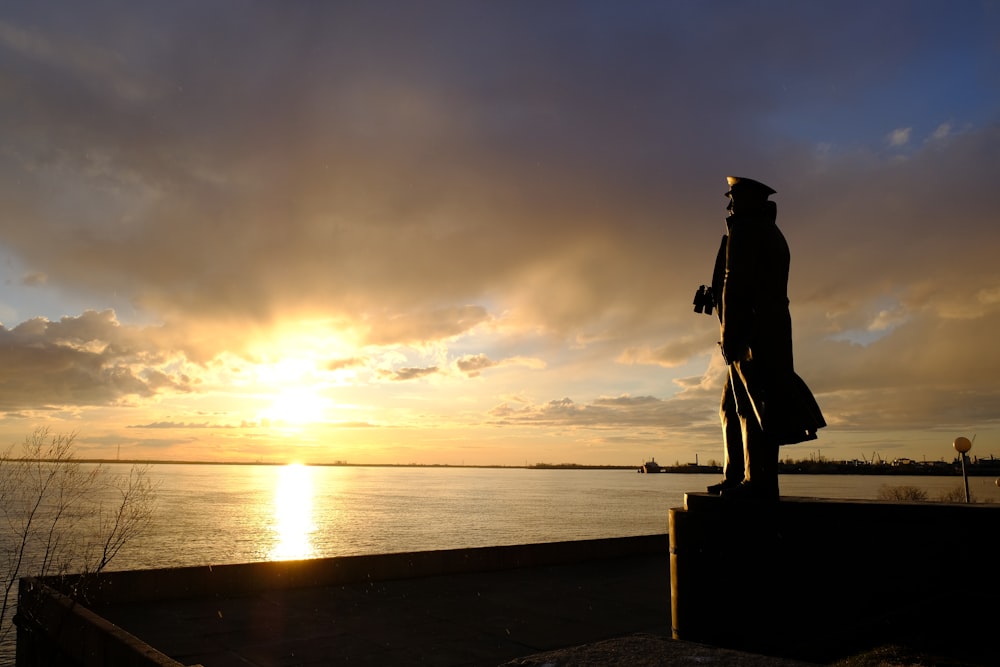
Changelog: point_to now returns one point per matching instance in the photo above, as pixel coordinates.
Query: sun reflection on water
(293, 514)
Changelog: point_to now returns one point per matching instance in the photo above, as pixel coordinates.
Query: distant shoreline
(987, 467)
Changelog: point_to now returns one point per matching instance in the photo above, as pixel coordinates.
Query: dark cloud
(177, 425)
(473, 149)
(673, 353)
(611, 413)
(404, 374)
(424, 326)
(85, 360)
(473, 365)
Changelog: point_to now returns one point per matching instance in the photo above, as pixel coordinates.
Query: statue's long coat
(750, 286)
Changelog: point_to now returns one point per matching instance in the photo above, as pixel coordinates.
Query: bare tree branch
(58, 516)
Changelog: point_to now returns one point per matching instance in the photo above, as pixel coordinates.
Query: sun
(289, 377)
(296, 406)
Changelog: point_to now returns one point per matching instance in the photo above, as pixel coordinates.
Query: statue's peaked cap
(748, 186)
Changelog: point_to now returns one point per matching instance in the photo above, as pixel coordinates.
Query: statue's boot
(733, 462)
(750, 490)
(761, 481)
(717, 489)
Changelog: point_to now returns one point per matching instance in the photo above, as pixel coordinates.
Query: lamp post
(962, 446)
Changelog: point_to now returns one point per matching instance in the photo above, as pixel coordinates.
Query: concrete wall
(801, 576)
(224, 579)
(54, 628)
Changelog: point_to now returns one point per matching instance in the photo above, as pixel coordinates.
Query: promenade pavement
(599, 612)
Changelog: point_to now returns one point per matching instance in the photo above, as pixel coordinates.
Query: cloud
(75, 58)
(342, 364)
(433, 325)
(610, 413)
(85, 360)
(473, 365)
(405, 374)
(899, 137)
(942, 132)
(234, 209)
(34, 279)
(669, 355)
(400, 193)
(177, 425)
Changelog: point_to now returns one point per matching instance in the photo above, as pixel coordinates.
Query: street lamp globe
(962, 444)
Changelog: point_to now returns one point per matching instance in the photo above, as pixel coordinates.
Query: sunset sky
(470, 232)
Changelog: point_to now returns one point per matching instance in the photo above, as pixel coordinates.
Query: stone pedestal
(806, 577)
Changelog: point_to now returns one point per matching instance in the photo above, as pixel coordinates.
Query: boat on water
(650, 466)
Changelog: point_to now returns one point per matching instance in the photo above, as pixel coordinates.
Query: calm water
(233, 514)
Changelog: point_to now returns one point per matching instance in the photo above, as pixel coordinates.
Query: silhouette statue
(765, 404)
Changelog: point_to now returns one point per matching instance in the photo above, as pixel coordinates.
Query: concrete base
(805, 577)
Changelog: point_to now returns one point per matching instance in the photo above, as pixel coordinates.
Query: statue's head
(746, 194)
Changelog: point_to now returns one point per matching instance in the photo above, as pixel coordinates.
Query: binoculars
(704, 300)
